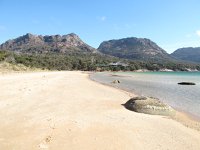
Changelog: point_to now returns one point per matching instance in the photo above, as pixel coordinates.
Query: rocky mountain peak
(55, 43)
(133, 48)
(73, 35)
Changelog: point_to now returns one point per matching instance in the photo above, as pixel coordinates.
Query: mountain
(69, 52)
(134, 48)
(187, 54)
(43, 44)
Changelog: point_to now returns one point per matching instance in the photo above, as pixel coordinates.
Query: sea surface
(162, 85)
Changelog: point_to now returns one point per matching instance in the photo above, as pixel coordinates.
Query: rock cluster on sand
(149, 105)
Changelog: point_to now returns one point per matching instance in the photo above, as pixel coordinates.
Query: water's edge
(188, 120)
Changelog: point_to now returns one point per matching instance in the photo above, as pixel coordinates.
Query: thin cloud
(103, 18)
(198, 32)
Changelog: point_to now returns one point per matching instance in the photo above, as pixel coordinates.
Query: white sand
(67, 111)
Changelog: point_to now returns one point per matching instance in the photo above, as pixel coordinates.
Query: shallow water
(162, 85)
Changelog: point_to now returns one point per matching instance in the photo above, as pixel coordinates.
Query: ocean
(162, 85)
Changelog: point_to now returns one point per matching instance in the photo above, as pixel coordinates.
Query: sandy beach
(66, 110)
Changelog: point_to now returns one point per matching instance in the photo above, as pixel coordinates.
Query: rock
(116, 81)
(139, 98)
(149, 105)
(186, 83)
(48, 139)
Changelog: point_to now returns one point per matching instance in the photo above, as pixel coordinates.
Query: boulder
(116, 81)
(149, 105)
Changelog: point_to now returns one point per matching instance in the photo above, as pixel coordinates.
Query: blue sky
(170, 23)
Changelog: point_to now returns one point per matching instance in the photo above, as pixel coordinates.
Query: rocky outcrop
(149, 105)
(30, 43)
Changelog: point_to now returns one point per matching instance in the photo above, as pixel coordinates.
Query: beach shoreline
(184, 117)
(62, 110)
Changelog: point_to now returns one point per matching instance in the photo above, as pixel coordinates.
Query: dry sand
(65, 110)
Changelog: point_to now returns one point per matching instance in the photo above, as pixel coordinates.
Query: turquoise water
(165, 73)
(162, 85)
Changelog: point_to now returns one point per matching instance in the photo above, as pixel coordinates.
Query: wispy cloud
(103, 18)
(198, 32)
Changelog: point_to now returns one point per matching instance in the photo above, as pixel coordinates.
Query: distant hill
(49, 43)
(188, 54)
(135, 49)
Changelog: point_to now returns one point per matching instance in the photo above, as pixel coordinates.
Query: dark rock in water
(148, 105)
(186, 83)
(116, 81)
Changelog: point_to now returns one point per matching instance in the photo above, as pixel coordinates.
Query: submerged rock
(186, 83)
(149, 105)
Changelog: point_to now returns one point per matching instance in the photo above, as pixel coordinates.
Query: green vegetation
(86, 62)
(3, 55)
